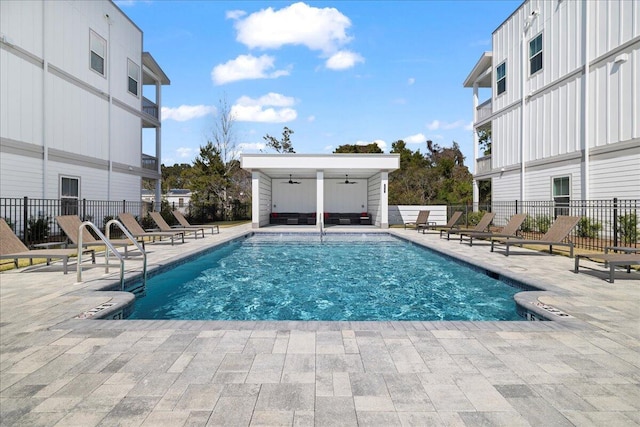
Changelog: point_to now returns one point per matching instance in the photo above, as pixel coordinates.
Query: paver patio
(57, 370)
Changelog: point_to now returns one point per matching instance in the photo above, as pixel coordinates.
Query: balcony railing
(484, 110)
(149, 162)
(483, 165)
(149, 107)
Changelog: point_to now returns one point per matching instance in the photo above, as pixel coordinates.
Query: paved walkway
(57, 370)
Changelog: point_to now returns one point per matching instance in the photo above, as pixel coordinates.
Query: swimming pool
(344, 277)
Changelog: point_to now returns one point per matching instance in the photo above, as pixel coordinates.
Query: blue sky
(341, 72)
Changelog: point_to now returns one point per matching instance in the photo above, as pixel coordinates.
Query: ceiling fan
(291, 181)
(346, 181)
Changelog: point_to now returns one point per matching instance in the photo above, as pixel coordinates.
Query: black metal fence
(33, 220)
(603, 222)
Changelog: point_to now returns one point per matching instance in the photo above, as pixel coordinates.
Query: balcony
(483, 165)
(484, 111)
(149, 162)
(150, 108)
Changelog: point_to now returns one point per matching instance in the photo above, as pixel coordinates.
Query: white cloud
(318, 29)
(251, 147)
(297, 24)
(235, 14)
(311, 119)
(343, 60)
(418, 138)
(328, 148)
(247, 109)
(186, 112)
(246, 67)
(411, 81)
(184, 152)
(437, 124)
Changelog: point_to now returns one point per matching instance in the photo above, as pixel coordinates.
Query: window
(133, 70)
(180, 202)
(535, 55)
(69, 195)
(98, 53)
(501, 77)
(561, 195)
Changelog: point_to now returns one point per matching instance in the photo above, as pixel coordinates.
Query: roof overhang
(150, 66)
(333, 165)
(481, 73)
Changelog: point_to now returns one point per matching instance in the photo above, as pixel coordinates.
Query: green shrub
(528, 224)
(628, 228)
(473, 218)
(38, 228)
(543, 222)
(588, 227)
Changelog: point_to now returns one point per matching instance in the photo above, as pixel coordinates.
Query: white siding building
(72, 109)
(564, 106)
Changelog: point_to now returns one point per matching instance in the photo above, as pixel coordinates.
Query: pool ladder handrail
(109, 246)
(135, 242)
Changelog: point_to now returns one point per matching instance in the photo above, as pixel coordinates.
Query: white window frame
(133, 78)
(95, 37)
(64, 198)
(562, 210)
(500, 79)
(536, 54)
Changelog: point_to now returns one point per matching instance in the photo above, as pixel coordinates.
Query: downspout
(110, 170)
(45, 140)
(586, 191)
(523, 59)
(476, 191)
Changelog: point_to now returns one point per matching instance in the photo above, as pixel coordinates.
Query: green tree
(439, 176)
(175, 176)
(216, 175)
(484, 141)
(281, 146)
(354, 148)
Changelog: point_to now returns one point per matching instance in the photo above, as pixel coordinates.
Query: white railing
(483, 165)
(484, 110)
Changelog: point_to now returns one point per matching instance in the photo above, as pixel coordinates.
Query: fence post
(25, 217)
(84, 209)
(615, 221)
(516, 205)
(124, 206)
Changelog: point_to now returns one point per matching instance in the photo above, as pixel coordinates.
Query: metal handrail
(135, 242)
(107, 244)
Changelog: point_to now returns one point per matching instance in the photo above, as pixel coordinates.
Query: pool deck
(56, 370)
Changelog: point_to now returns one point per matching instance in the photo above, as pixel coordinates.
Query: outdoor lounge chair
(163, 226)
(560, 229)
(185, 224)
(138, 232)
(11, 247)
(421, 221)
(509, 230)
(448, 226)
(482, 225)
(70, 225)
(631, 256)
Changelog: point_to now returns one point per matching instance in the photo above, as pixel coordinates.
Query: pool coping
(528, 301)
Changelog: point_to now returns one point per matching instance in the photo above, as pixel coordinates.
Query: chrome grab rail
(108, 246)
(135, 242)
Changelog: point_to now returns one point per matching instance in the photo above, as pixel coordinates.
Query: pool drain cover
(551, 309)
(95, 310)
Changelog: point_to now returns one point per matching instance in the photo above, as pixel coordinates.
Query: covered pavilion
(320, 187)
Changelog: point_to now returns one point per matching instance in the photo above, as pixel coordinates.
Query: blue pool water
(345, 277)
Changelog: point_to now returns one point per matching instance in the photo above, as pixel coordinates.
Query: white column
(319, 199)
(158, 204)
(476, 191)
(255, 199)
(384, 199)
